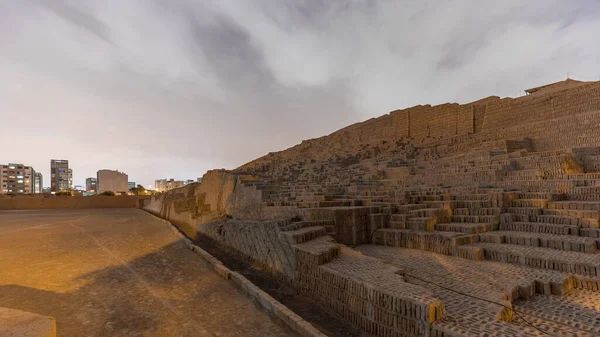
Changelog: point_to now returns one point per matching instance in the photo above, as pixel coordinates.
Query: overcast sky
(172, 88)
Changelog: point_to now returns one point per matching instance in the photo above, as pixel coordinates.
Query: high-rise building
(90, 184)
(17, 178)
(59, 175)
(131, 184)
(38, 183)
(70, 178)
(109, 180)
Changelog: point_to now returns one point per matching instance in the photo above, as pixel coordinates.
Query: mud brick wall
(506, 113)
(465, 119)
(399, 125)
(259, 241)
(351, 223)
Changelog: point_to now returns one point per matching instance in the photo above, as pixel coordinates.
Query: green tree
(138, 190)
(65, 192)
(108, 193)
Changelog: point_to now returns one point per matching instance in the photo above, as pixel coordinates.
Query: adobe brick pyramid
(514, 181)
(477, 219)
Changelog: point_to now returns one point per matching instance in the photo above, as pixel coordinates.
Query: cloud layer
(173, 88)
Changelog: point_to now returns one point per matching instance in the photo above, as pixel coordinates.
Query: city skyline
(175, 88)
(47, 175)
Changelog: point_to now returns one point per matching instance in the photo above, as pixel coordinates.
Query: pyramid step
(426, 224)
(566, 220)
(399, 225)
(477, 211)
(544, 258)
(438, 242)
(464, 227)
(438, 213)
(303, 234)
(470, 197)
(338, 203)
(576, 205)
(405, 209)
(593, 233)
(538, 195)
(473, 204)
(317, 251)
(524, 210)
(475, 218)
(539, 227)
(447, 204)
(536, 203)
(559, 242)
(577, 213)
(399, 217)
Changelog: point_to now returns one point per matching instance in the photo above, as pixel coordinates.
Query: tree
(108, 193)
(65, 192)
(139, 190)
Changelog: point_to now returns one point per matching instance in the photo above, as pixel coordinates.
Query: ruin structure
(477, 219)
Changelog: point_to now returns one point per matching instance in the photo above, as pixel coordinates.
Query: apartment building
(111, 180)
(61, 177)
(38, 182)
(90, 185)
(17, 178)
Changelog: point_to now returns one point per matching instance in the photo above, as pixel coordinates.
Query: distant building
(90, 185)
(162, 185)
(199, 180)
(190, 181)
(109, 180)
(70, 178)
(60, 175)
(38, 183)
(78, 188)
(131, 184)
(17, 178)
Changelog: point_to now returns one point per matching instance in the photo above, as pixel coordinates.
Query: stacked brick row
(371, 296)
(430, 241)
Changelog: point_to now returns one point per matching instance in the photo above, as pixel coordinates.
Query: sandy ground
(117, 272)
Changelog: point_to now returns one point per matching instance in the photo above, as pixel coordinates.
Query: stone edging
(257, 295)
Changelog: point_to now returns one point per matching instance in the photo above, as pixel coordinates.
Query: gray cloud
(173, 88)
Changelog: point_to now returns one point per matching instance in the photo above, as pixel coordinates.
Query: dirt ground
(117, 272)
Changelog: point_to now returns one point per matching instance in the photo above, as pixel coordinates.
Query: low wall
(53, 201)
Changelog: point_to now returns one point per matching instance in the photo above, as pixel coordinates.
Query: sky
(173, 88)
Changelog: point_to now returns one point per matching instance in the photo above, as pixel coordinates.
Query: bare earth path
(117, 273)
